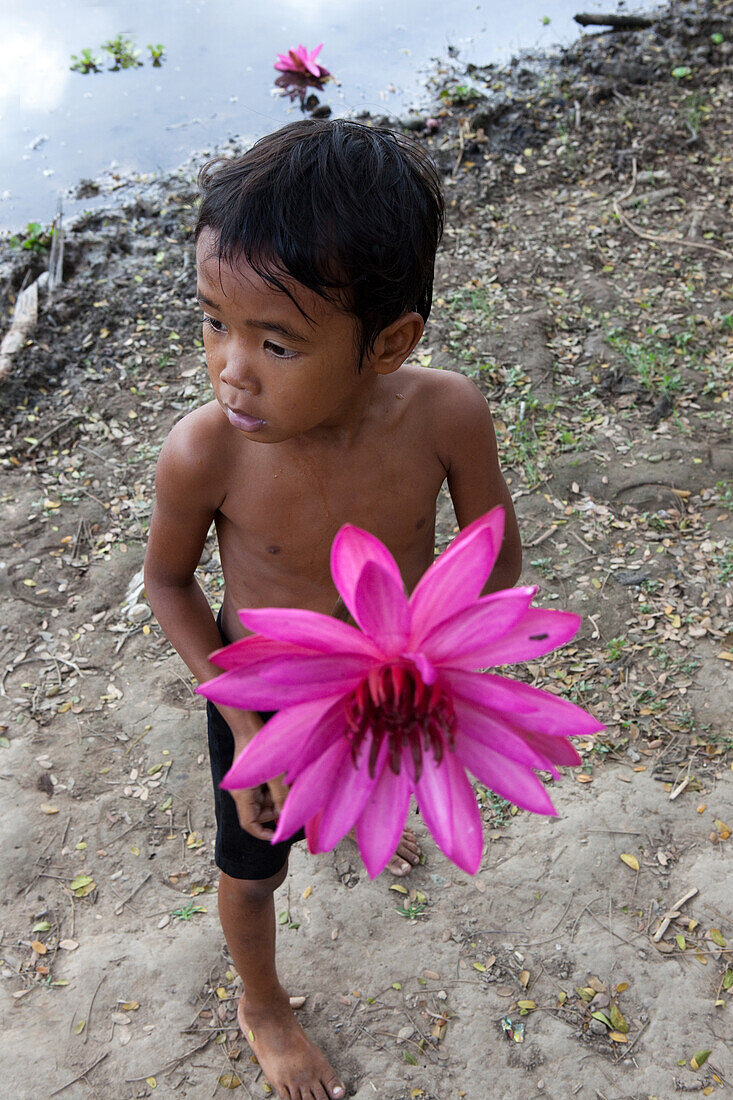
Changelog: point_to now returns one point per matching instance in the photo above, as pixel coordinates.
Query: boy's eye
(279, 351)
(213, 323)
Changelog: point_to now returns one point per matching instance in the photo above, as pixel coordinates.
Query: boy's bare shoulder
(199, 436)
(195, 451)
(445, 394)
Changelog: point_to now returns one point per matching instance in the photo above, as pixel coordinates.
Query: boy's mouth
(242, 422)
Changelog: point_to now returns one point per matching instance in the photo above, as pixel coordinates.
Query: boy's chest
(285, 512)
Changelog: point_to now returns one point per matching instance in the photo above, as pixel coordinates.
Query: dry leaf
(41, 949)
(630, 861)
(229, 1081)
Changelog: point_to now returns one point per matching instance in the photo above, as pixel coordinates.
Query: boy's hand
(257, 805)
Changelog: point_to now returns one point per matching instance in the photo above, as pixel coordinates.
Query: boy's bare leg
(295, 1068)
(405, 858)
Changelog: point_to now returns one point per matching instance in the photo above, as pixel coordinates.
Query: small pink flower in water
(367, 718)
(300, 61)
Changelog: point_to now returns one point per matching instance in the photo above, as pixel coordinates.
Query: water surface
(58, 126)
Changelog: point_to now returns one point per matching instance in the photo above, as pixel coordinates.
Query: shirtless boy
(315, 255)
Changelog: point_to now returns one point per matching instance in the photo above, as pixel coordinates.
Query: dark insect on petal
(538, 637)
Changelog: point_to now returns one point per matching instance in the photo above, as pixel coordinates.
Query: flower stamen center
(394, 703)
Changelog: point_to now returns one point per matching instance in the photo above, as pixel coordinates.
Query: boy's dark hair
(352, 212)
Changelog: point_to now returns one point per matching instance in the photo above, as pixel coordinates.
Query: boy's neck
(346, 426)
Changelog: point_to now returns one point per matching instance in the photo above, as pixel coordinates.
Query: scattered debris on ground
(585, 283)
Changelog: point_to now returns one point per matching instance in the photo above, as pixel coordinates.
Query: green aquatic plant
(157, 54)
(37, 239)
(85, 62)
(123, 52)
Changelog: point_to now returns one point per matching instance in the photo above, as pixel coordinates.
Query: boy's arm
(184, 510)
(475, 480)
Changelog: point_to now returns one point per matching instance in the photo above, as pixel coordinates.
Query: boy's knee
(252, 889)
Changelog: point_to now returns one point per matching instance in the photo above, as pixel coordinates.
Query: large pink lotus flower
(366, 718)
(300, 61)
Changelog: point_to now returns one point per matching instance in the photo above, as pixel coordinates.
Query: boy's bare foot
(296, 1069)
(405, 858)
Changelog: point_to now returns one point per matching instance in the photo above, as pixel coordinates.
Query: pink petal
(249, 690)
(331, 727)
(508, 779)
(448, 803)
(279, 744)
(455, 640)
(381, 608)
(312, 827)
(249, 651)
(428, 671)
(347, 799)
(321, 670)
(316, 52)
(352, 549)
(308, 630)
(488, 692)
(527, 707)
(555, 749)
(539, 632)
(496, 733)
(311, 790)
(382, 821)
(457, 577)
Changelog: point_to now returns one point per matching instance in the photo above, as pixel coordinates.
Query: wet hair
(352, 212)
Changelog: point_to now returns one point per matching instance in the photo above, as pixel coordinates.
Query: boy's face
(275, 374)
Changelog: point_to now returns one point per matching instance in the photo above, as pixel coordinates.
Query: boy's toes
(399, 867)
(335, 1089)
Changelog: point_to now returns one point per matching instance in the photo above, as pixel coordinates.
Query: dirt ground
(585, 283)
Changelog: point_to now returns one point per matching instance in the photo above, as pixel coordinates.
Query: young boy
(315, 254)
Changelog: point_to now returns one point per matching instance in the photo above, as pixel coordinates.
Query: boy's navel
(273, 549)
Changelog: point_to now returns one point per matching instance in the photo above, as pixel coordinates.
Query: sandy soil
(585, 283)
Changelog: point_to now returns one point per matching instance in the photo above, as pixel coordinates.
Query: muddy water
(58, 126)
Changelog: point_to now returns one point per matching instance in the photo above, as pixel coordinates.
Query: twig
(375, 1040)
(91, 1006)
(660, 238)
(172, 1064)
(679, 789)
(625, 1053)
(672, 913)
(609, 930)
(114, 839)
(79, 1076)
(541, 538)
(121, 906)
(57, 428)
(615, 22)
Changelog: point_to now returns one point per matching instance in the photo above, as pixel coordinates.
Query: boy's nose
(239, 373)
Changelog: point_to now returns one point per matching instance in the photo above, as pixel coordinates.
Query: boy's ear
(396, 342)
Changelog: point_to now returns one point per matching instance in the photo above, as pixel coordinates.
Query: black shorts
(238, 853)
